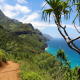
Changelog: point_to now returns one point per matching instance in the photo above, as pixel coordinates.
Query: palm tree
(61, 55)
(68, 64)
(59, 8)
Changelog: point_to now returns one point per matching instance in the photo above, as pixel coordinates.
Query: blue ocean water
(73, 56)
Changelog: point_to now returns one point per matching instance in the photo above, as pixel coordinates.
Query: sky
(29, 11)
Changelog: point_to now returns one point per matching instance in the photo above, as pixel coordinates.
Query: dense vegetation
(34, 62)
(27, 49)
(2, 56)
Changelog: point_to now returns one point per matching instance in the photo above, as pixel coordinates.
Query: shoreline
(46, 48)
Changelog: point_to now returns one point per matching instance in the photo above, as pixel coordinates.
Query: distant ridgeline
(12, 32)
(47, 36)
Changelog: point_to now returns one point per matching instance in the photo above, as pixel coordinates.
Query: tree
(59, 8)
(60, 54)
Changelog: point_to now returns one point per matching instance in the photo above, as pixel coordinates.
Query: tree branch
(74, 39)
(76, 28)
(70, 39)
(67, 37)
(73, 48)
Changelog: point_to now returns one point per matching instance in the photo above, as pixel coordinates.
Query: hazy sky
(29, 11)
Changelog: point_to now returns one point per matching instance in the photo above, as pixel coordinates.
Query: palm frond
(66, 14)
(68, 64)
(46, 13)
(57, 7)
(75, 18)
(44, 6)
(74, 1)
(77, 3)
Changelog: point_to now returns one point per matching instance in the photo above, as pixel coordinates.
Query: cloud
(22, 1)
(8, 7)
(11, 14)
(32, 16)
(42, 25)
(29, 18)
(1, 0)
(22, 9)
(70, 26)
(33, 19)
(13, 11)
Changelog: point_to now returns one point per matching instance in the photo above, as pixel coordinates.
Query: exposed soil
(9, 71)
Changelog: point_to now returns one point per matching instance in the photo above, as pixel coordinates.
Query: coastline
(46, 48)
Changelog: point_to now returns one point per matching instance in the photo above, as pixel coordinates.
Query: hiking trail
(9, 71)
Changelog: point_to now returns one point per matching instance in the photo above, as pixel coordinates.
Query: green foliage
(72, 74)
(19, 47)
(77, 10)
(30, 76)
(61, 55)
(18, 58)
(45, 61)
(60, 7)
(2, 56)
(57, 7)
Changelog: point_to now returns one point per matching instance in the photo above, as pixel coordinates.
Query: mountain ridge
(25, 31)
(48, 36)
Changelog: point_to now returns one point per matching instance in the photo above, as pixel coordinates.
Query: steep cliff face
(31, 25)
(38, 32)
(25, 31)
(12, 43)
(45, 38)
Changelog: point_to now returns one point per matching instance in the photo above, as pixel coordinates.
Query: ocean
(73, 56)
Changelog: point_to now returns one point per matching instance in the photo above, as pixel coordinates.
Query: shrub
(30, 76)
(18, 58)
(45, 61)
(2, 57)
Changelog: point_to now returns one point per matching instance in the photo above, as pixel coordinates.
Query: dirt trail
(9, 71)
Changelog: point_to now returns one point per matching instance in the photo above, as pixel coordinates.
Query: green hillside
(25, 31)
(10, 42)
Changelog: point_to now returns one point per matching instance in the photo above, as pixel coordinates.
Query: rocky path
(9, 71)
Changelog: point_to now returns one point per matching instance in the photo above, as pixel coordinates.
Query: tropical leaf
(45, 13)
(75, 18)
(44, 6)
(57, 7)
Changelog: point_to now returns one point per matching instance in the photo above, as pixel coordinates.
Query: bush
(30, 76)
(2, 57)
(45, 61)
(18, 58)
